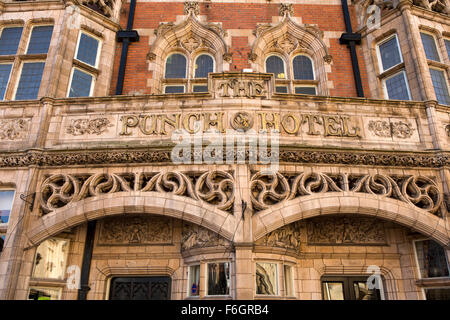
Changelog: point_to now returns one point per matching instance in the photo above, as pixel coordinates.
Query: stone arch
(290, 38)
(107, 205)
(352, 203)
(190, 36)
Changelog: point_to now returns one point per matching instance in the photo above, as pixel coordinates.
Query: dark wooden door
(140, 288)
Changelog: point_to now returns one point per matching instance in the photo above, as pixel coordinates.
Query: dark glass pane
(9, 41)
(176, 66)
(432, 259)
(203, 65)
(389, 53)
(218, 278)
(396, 87)
(447, 45)
(303, 69)
(430, 47)
(30, 80)
(281, 89)
(43, 294)
(140, 288)
(6, 201)
(174, 89)
(363, 293)
(275, 65)
(5, 70)
(305, 90)
(333, 290)
(440, 86)
(200, 88)
(81, 84)
(87, 49)
(438, 294)
(40, 39)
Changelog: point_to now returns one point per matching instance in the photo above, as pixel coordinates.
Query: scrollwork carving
(398, 129)
(14, 129)
(96, 126)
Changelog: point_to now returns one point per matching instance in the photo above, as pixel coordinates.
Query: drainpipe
(86, 264)
(126, 37)
(351, 40)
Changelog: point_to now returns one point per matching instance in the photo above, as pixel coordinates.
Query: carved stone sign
(194, 236)
(135, 230)
(287, 237)
(345, 231)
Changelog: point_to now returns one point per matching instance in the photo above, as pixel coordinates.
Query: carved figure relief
(345, 230)
(135, 230)
(96, 126)
(398, 129)
(287, 237)
(194, 236)
(14, 129)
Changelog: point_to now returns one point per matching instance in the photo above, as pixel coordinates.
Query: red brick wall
(237, 16)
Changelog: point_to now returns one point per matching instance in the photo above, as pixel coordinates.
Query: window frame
(385, 91)
(4, 226)
(186, 71)
(380, 60)
(189, 295)
(312, 66)
(14, 25)
(445, 73)
(195, 62)
(447, 40)
(292, 280)
(416, 259)
(347, 281)
(9, 78)
(434, 36)
(19, 76)
(59, 289)
(63, 279)
(31, 33)
(91, 89)
(277, 278)
(230, 289)
(99, 48)
(276, 54)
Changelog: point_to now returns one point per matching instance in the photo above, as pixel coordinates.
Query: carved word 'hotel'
(93, 206)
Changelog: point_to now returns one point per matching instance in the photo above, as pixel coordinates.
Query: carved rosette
(14, 129)
(345, 231)
(386, 129)
(242, 121)
(286, 237)
(215, 188)
(270, 189)
(194, 237)
(135, 230)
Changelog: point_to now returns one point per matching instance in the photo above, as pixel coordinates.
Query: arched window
(204, 64)
(303, 68)
(176, 66)
(275, 65)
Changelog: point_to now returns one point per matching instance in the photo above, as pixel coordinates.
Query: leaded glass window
(396, 87)
(447, 46)
(218, 278)
(390, 53)
(81, 84)
(5, 72)
(303, 68)
(204, 64)
(266, 278)
(432, 259)
(88, 49)
(176, 66)
(429, 45)
(440, 86)
(40, 39)
(275, 65)
(6, 202)
(30, 80)
(9, 40)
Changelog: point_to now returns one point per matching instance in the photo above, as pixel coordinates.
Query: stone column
(244, 271)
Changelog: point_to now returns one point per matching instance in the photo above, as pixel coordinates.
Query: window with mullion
(30, 80)
(390, 54)
(397, 87)
(429, 46)
(40, 40)
(440, 86)
(5, 72)
(81, 84)
(9, 40)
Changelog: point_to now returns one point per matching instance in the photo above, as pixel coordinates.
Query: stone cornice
(43, 158)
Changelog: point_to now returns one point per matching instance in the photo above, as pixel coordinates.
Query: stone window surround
(416, 262)
(231, 273)
(384, 75)
(280, 262)
(93, 71)
(17, 60)
(289, 80)
(189, 81)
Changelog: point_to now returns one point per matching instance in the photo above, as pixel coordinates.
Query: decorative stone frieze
(88, 126)
(287, 237)
(196, 237)
(135, 230)
(106, 7)
(214, 187)
(14, 129)
(268, 189)
(345, 231)
(398, 129)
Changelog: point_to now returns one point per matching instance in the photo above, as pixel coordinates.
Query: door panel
(140, 288)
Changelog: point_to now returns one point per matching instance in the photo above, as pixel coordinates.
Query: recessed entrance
(140, 288)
